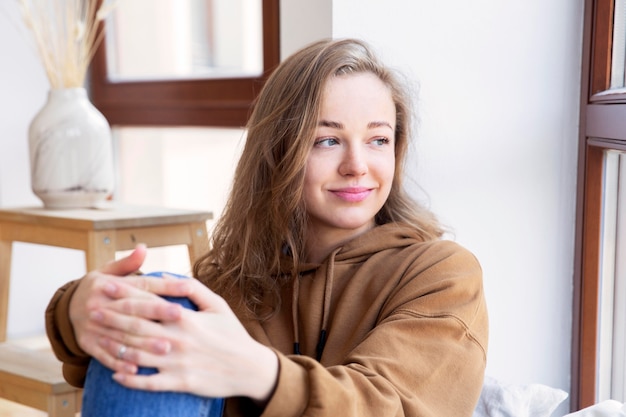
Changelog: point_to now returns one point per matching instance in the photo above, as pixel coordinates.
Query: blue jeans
(103, 397)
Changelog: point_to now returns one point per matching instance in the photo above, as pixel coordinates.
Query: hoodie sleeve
(425, 356)
(62, 338)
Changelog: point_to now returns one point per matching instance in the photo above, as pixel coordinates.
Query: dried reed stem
(66, 34)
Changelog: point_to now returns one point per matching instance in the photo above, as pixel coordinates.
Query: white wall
(496, 152)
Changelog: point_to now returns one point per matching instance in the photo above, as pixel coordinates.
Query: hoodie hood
(379, 238)
(355, 251)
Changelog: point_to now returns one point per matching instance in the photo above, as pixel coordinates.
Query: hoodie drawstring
(328, 290)
(294, 314)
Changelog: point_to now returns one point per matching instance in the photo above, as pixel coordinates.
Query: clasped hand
(123, 321)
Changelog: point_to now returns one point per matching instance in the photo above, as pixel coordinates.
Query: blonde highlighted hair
(264, 219)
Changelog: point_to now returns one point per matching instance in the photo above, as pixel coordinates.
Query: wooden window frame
(602, 127)
(224, 102)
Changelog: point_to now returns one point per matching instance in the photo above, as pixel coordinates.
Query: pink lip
(352, 194)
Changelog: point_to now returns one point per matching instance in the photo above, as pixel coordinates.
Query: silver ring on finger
(120, 353)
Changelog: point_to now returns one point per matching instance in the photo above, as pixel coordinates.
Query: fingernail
(173, 311)
(96, 316)
(130, 369)
(182, 285)
(110, 288)
(162, 346)
(119, 377)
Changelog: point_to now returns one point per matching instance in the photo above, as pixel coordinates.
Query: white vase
(70, 152)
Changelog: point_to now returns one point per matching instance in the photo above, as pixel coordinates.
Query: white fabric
(608, 408)
(505, 400)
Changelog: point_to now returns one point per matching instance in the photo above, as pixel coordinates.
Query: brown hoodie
(400, 327)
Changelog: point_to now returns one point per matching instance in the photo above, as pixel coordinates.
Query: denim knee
(103, 397)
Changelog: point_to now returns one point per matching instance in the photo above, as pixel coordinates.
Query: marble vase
(70, 152)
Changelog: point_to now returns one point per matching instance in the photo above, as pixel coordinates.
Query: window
(177, 99)
(612, 276)
(183, 167)
(598, 368)
(197, 99)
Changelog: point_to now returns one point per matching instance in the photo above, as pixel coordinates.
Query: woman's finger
(127, 325)
(154, 382)
(100, 351)
(134, 348)
(128, 264)
(157, 345)
(141, 286)
(154, 309)
(117, 362)
(205, 299)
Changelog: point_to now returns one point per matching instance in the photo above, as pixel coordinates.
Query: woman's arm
(71, 321)
(207, 352)
(61, 336)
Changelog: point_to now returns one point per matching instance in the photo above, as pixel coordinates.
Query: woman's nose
(354, 162)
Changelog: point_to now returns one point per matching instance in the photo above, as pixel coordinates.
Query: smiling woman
(326, 290)
(350, 170)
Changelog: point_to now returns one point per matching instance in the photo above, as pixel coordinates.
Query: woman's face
(351, 166)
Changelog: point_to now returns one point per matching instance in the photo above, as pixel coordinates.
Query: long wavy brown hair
(264, 218)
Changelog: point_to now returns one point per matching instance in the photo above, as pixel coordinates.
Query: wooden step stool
(33, 378)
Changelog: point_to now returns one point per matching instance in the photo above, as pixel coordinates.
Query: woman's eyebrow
(329, 123)
(370, 125)
(373, 125)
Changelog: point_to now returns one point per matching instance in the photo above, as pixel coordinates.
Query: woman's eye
(380, 141)
(326, 142)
